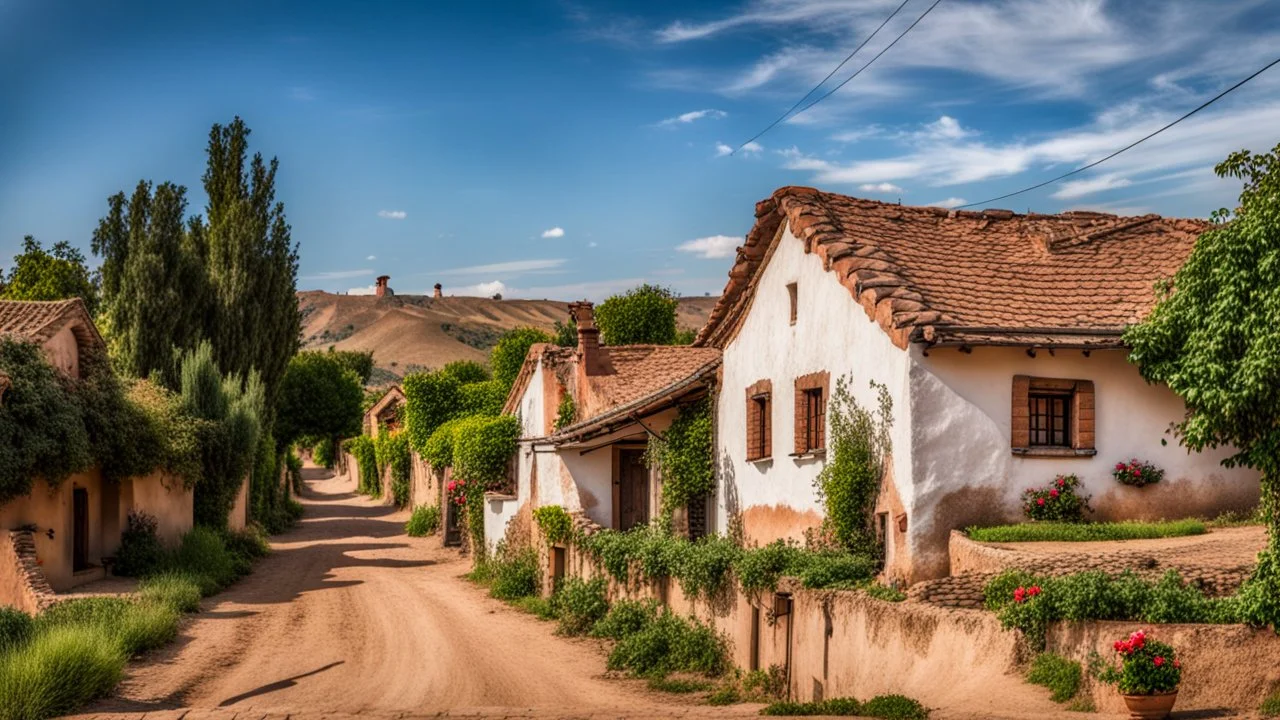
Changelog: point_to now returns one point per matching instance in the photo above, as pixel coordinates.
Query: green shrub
(325, 453)
(509, 353)
(894, 707)
(626, 617)
(669, 644)
(645, 314)
(430, 400)
(1060, 675)
(438, 448)
(1259, 597)
(136, 626)
(831, 569)
(534, 605)
(1270, 706)
(363, 450)
(724, 695)
(759, 569)
(579, 604)
(837, 707)
(1059, 501)
(178, 590)
(858, 443)
(705, 567)
(884, 592)
(250, 543)
(203, 553)
(15, 628)
(391, 450)
(140, 550)
(678, 686)
(424, 521)
(1086, 532)
(515, 574)
(485, 397)
(555, 523)
(59, 670)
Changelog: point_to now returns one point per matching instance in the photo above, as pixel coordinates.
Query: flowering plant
(1060, 501)
(456, 492)
(1137, 473)
(1147, 667)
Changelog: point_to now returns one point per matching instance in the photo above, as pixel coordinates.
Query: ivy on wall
(391, 450)
(684, 456)
(482, 448)
(858, 444)
(555, 523)
(362, 449)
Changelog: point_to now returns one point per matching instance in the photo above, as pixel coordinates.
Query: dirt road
(348, 615)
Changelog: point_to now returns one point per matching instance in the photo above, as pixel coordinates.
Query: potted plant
(1137, 473)
(1147, 676)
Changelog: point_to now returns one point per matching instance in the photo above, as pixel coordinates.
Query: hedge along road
(348, 615)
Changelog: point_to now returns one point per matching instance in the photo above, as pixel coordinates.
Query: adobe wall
(51, 509)
(239, 517)
(163, 497)
(424, 489)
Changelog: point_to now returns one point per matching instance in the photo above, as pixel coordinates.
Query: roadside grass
(1270, 707)
(1060, 675)
(888, 707)
(1237, 518)
(678, 685)
(76, 650)
(424, 521)
(1086, 532)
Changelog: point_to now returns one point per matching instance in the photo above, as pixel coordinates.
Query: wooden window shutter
(1020, 417)
(1082, 416)
(768, 426)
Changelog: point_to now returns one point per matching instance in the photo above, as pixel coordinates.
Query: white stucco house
(591, 461)
(998, 337)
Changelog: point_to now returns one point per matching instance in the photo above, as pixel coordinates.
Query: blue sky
(563, 150)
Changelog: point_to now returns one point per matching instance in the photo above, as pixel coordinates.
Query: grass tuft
(1060, 675)
(678, 686)
(1086, 532)
(670, 643)
(59, 670)
(15, 628)
(1271, 706)
(887, 707)
(178, 590)
(424, 521)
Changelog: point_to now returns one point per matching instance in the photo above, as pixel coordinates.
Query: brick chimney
(439, 292)
(592, 359)
(381, 289)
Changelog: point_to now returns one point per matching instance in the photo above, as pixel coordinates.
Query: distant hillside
(414, 332)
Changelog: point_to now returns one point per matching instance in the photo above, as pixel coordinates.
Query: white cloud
(392, 214)
(686, 118)
(949, 202)
(483, 289)
(883, 187)
(946, 128)
(511, 267)
(1079, 188)
(371, 289)
(752, 147)
(722, 149)
(714, 246)
(372, 257)
(338, 274)
(555, 232)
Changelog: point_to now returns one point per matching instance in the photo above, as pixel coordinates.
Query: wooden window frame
(811, 440)
(1079, 411)
(760, 420)
(793, 293)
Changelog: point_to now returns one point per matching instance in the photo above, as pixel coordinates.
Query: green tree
(358, 361)
(319, 397)
(56, 274)
(508, 355)
(643, 315)
(466, 371)
(1214, 339)
(566, 333)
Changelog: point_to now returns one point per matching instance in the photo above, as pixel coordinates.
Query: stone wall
(22, 583)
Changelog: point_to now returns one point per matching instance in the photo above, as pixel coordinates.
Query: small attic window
(792, 290)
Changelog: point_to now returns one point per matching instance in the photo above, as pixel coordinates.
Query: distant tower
(382, 290)
(439, 291)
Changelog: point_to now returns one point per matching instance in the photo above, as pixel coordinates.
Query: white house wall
(965, 473)
(531, 409)
(776, 498)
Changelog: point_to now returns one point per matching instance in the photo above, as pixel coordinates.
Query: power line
(1131, 145)
(847, 58)
(872, 60)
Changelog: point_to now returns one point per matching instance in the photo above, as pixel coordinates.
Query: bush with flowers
(1146, 667)
(1060, 501)
(1138, 473)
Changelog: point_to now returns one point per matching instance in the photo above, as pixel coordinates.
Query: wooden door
(80, 529)
(452, 526)
(633, 489)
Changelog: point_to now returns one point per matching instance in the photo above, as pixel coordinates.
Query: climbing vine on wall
(566, 413)
(858, 444)
(481, 455)
(684, 456)
(362, 449)
(392, 452)
(555, 523)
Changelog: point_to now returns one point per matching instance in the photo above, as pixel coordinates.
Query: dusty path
(348, 615)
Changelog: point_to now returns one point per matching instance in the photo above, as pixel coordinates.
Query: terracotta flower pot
(1150, 707)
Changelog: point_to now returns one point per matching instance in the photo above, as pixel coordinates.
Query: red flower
(1062, 483)
(1158, 660)
(1040, 502)
(1053, 493)
(1019, 595)
(1033, 590)
(1119, 466)
(1119, 646)
(1177, 664)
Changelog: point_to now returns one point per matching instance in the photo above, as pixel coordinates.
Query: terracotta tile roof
(958, 277)
(39, 321)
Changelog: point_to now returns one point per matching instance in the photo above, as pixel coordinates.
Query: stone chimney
(439, 291)
(381, 289)
(592, 359)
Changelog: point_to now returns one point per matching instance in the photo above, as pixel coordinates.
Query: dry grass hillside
(412, 332)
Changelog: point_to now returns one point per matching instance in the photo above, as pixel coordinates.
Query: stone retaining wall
(22, 583)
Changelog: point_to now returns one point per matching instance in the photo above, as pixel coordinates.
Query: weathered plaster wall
(498, 512)
(964, 472)
(776, 497)
(63, 352)
(163, 497)
(51, 508)
(532, 408)
(423, 486)
(239, 516)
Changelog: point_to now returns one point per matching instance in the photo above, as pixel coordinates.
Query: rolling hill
(415, 332)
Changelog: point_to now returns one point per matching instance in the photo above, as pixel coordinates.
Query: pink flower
(1119, 646)
(1062, 483)
(1119, 466)
(1040, 502)
(1158, 660)
(1177, 664)
(1053, 493)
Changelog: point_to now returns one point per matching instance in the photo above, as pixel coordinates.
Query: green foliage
(361, 448)
(136, 626)
(893, 707)
(508, 355)
(324, 453)
(704, 567)
(179, 433)
(759, 569)
(645, 315)
(56, 274)
(848, 484)
(1029, 603)
(626, 617)
(175, 589)
(1270, 706)
(1259, 597)
(889, 707)
(556, 524)
(424, 521)
(1086, 532)
(140, 550)
(566, 333)
(724, 695)
(438, 452)
(482, 453)
(677, 686)
(685, 457)
(1060, 501)
(1060, 675)
(430, 400)
(670, 643)
(391, 449)
(1212, 336)
(466, 371)
(884, 592)
(514, 573)
(566, 412)
(320, 396)
(125, 437)
(41, 430)
(579, 604)
(58, 671)
(482, 398)
(1146, 667)
(203, 553)
(15, 628)
(359, 362)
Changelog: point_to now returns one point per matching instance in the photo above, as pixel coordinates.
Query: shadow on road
(277, 685)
